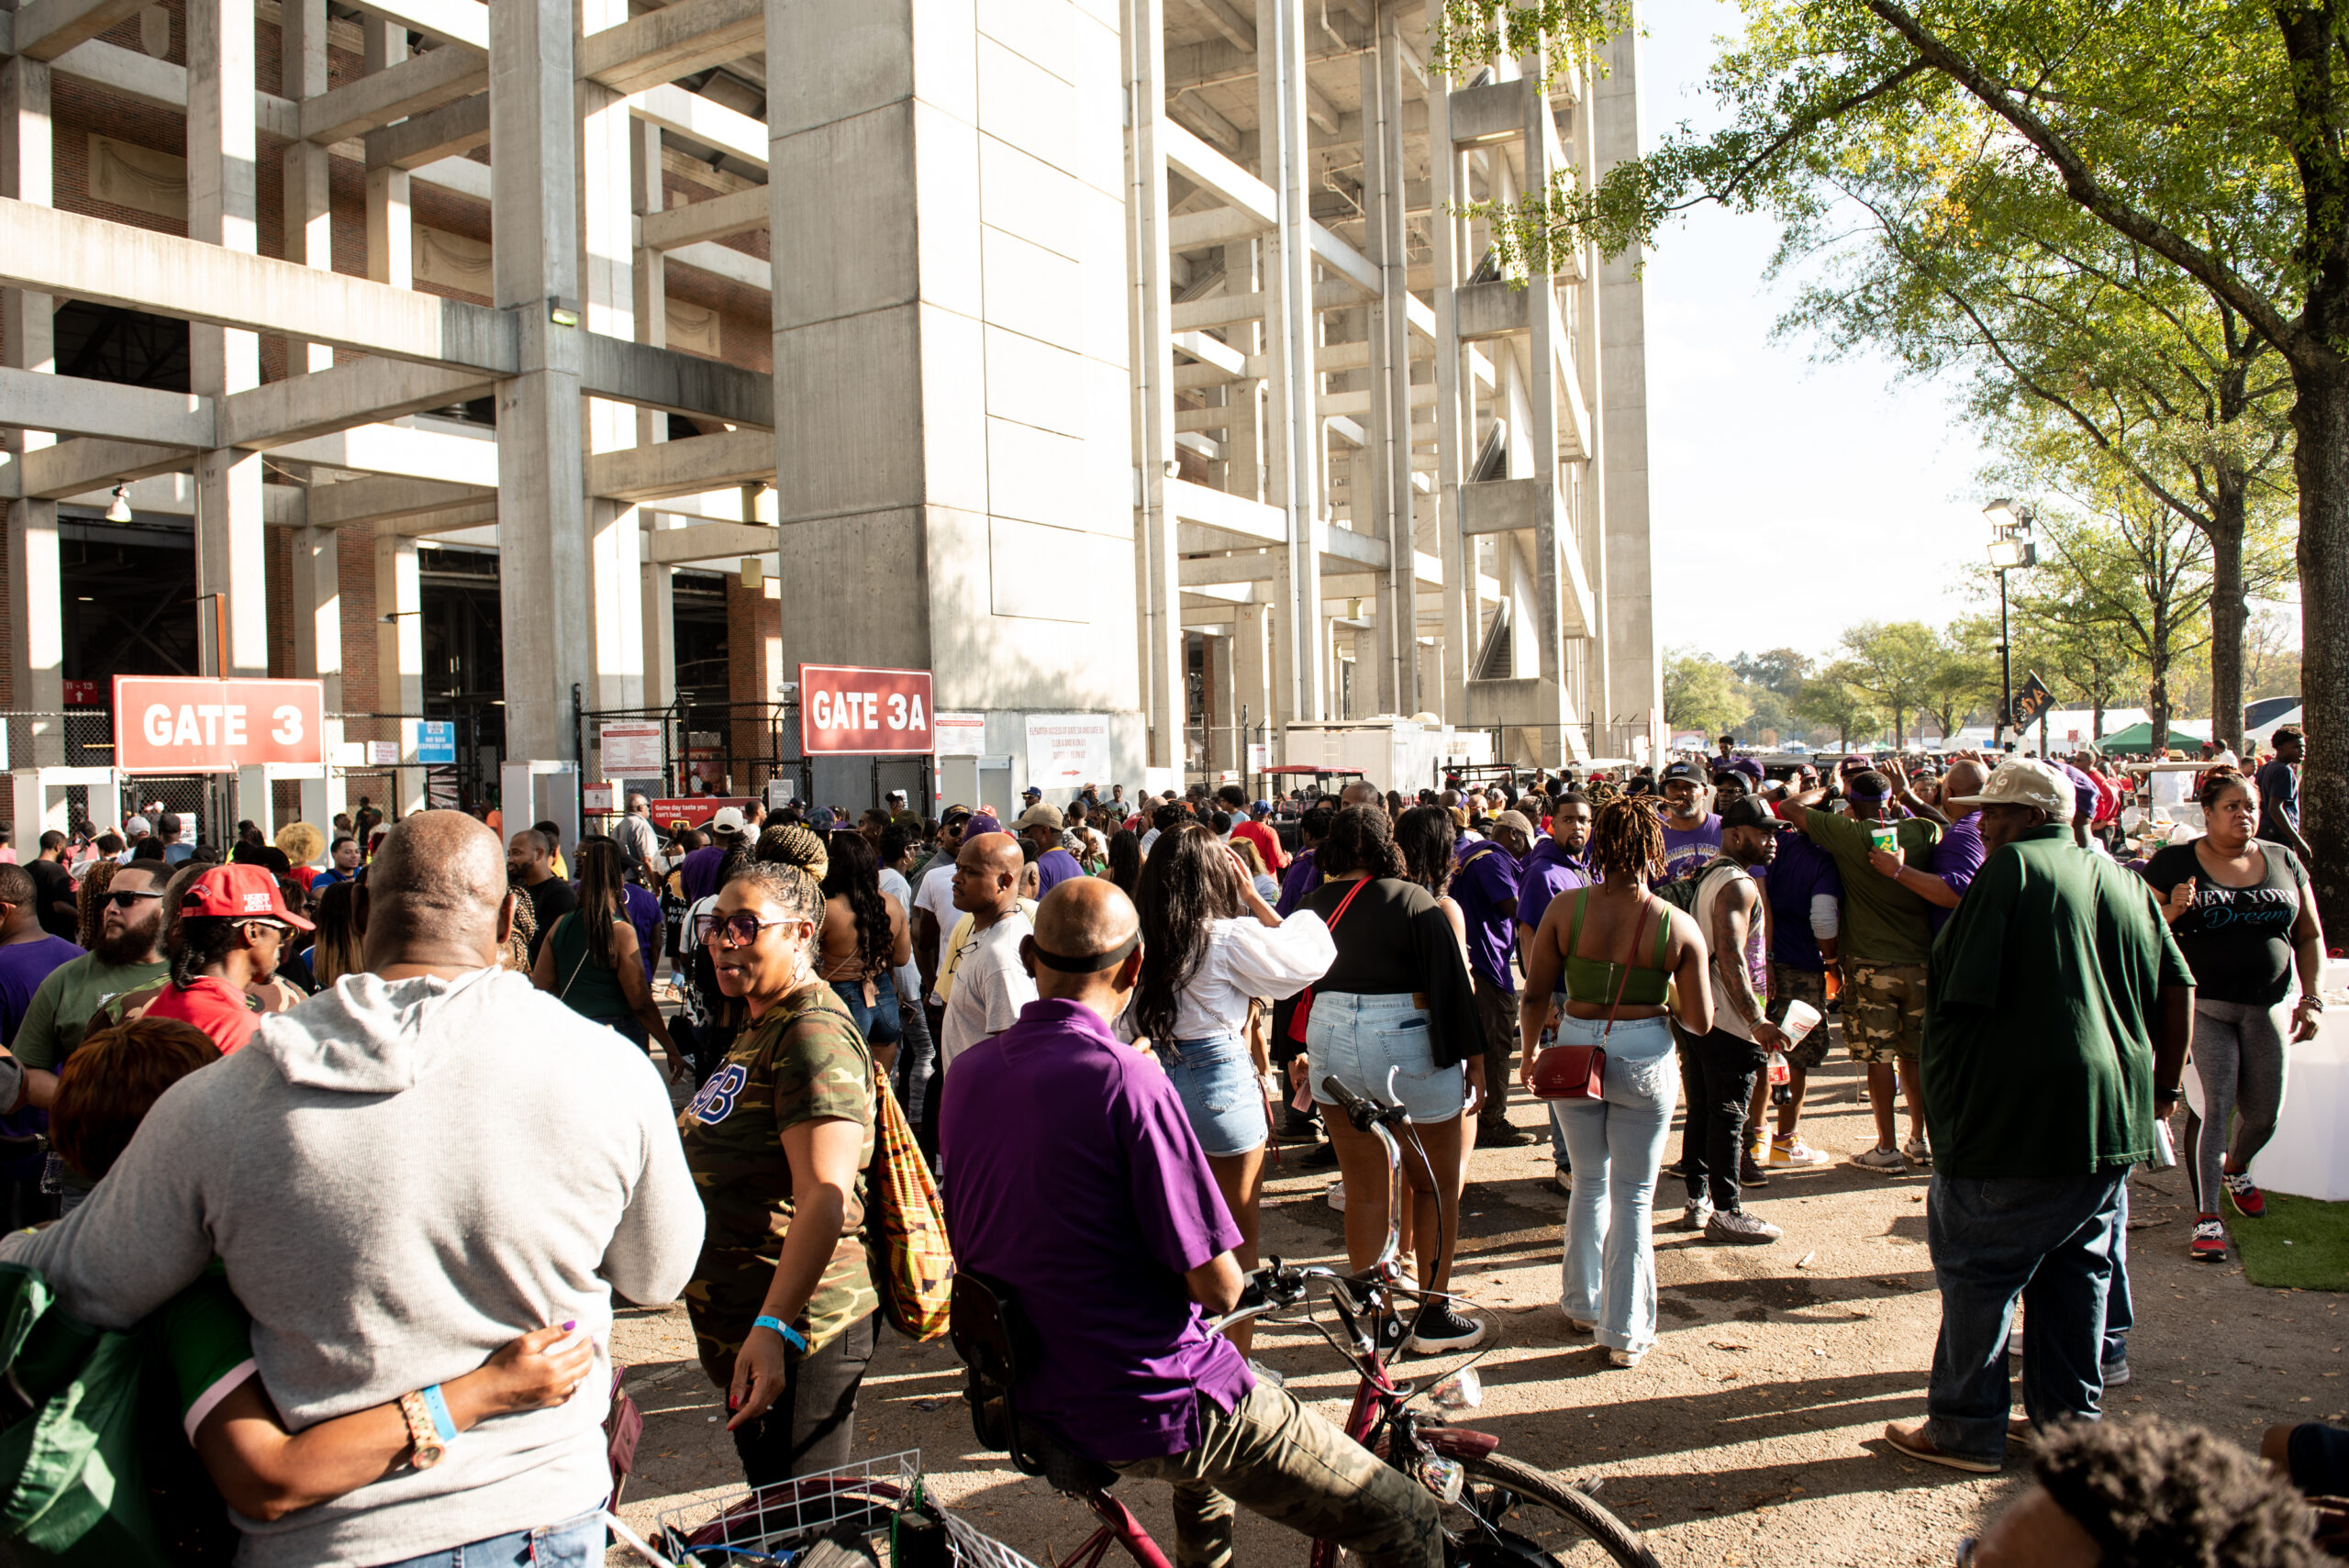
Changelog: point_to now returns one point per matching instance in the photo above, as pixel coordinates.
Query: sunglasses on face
(124, 900)
(740, 929)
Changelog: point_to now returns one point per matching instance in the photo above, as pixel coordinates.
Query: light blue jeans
(573, 1543)
(1616, 1143)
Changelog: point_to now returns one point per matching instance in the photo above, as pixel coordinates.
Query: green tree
(2208, 132)
(1782, 670)
(1894, 666)
(1829, 701)
(1700, 693)
(1962, 675)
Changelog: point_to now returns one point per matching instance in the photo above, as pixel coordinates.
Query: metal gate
(911, 774)
(459, 784)
(730, 747)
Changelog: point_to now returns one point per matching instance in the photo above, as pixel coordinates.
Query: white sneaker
(1884, 1161)
(1697, 1215)
(1581, 1325)
(1795, 1151)
(1919, 1152)
(1337, 1194)
(1625, 1358)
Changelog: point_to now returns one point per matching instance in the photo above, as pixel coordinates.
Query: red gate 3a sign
(846, 711)
(171, 724)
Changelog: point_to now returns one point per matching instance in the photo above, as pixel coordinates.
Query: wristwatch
(424, 1438)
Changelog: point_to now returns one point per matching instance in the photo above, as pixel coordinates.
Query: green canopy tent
(2137, 740)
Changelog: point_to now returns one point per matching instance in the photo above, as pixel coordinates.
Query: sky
(1789, 498)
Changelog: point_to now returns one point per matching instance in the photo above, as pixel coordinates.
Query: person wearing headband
(1055, 1116)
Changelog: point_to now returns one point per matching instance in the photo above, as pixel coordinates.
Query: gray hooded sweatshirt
(401, 1178)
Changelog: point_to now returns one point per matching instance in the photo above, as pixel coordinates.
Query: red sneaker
(2245, 1194)
(2209, 1244)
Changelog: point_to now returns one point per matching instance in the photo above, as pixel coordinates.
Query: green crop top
(1593, 980)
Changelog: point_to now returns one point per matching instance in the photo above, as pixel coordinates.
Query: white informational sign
(780, 793)
(959, 734)
(1066, 751)
(596, 797)
(632, 749)
(382, 753)
(1259, 757)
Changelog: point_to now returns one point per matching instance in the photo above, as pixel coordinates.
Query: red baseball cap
(241, 893)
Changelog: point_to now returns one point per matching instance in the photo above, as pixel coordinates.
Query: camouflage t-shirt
(804, 1061)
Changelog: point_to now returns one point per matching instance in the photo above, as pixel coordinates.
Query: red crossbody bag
(1304, 1010)
(1579, 1072)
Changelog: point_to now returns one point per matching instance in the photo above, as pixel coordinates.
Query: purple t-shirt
(1802, 872)
(1054, 867)
(23, 966)
(1686, 849)
(1486, 879)
(1302, 879)
(1548, 871)
(697, 873)
(1054, 1117)
(1955, 860)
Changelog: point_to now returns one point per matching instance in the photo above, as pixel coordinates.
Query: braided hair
(1627, 839)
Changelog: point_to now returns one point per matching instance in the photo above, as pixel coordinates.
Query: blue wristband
(790, 1336)
(440, 1409)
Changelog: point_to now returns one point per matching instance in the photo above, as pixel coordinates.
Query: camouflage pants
(1294, 1468)
(1789, 984)
(1884, 1010)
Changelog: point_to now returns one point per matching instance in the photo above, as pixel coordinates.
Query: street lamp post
(2011, 545)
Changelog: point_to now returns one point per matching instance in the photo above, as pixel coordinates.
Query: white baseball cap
(2026, 781)
(727, 820)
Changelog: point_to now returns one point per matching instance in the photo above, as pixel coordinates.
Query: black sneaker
(1503, 1135)
(1324, 1157)
(1439, 1329)
(1750, 1174)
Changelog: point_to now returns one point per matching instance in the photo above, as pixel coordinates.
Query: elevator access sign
(848, 711)
(171, 724)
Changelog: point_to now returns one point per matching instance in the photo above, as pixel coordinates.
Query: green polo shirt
(1883, 921)
(2041, 1007)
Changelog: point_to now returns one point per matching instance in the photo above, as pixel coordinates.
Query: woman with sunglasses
(779, 1139)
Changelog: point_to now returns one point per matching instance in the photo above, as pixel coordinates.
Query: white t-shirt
(908, 974)
(990, 987)
(1246, 957)
(937, 895)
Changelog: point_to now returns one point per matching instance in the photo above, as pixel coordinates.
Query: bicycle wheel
(1513, 1516)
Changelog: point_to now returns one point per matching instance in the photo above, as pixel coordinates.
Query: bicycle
(1488, 1501)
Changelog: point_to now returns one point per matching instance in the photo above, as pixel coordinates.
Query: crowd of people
(237, 1091)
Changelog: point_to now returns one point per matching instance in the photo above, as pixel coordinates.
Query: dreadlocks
(1627, 841)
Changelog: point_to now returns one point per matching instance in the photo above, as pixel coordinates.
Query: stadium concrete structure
(1123, 356)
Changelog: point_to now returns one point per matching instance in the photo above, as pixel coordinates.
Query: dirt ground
(1752, 1435)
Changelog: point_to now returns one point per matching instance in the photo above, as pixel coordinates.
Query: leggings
(2239, 1057)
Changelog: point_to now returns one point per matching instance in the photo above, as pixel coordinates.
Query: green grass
(2303, 1243)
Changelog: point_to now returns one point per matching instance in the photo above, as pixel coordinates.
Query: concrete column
(1455, 426)
(36, 607)
(391, 233)
(610, 145)
(541, 464)
(1545, 339)
(317, 594)
(399, 654)
(1386, 656)
(309, 228)
(1293, 450)
(1633, 680)
(1251, 671)
(1156, 574)
(1243, 438)
(222, 208)
(657, 582)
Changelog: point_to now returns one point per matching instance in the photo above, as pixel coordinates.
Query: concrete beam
(367, 500)
(671, 378)
(89, 257)
(146, 80)
(1494, 112)
(441, 520)
(71, 468)
(352, 392)
(463, 22)
(708, 542)
(673, 41)
(76, 405)
(1228, 513)
(47, 29)
(400, 450)
(448, 131)
(701, 119)
(682, 468)
(420, 83)
(738, 212)
(720, 261)
(1211, 352)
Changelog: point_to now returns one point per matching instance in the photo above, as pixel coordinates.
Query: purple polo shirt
(697, 873)
(1802, 872)
(1302, 879)
(1054, 1117)
(1054, 867)
(1548, 871)
(1955, 860)
(1486, 878)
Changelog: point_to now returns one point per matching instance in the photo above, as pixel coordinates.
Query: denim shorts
(1362, 1040)
(1220, 1092)
(881, 1024)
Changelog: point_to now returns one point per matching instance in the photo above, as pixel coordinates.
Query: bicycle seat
(1062, 1466)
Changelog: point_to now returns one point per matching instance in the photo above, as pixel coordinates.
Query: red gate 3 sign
(168, 724)
(854, 711)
